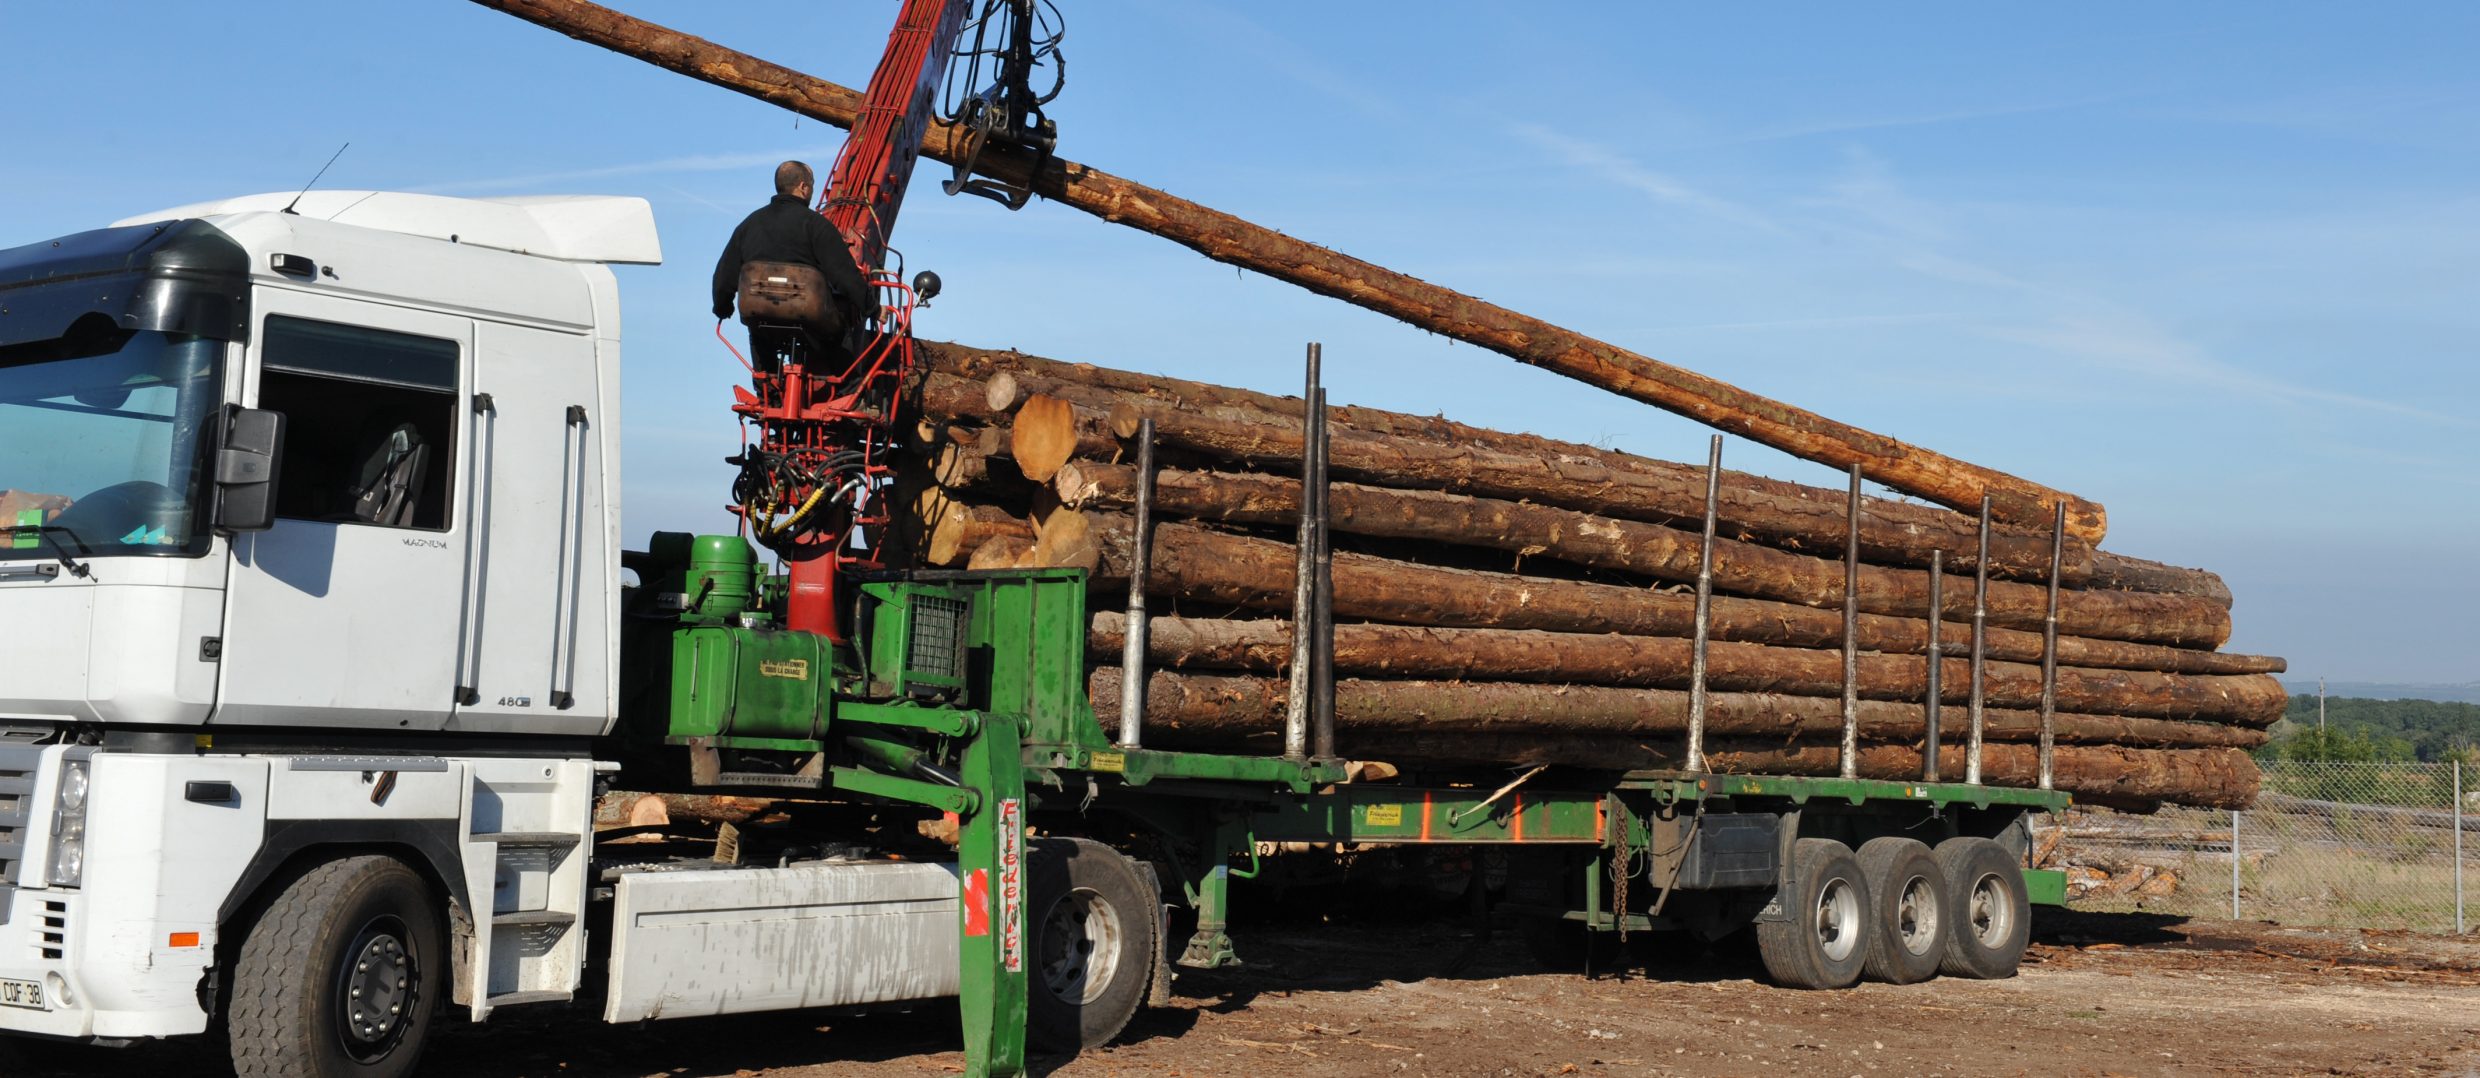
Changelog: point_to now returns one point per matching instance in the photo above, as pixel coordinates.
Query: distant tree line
(2376, 731)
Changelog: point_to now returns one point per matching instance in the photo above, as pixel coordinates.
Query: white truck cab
(400, 647)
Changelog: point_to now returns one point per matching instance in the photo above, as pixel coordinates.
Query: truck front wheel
(339, 976)
(1092, 923)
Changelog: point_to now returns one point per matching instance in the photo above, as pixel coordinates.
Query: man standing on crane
(760, 266)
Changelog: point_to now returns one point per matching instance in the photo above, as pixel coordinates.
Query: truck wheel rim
(1993, 916)
(1916, 915)
(1080, 946)
(1837, 920)
(377, 990)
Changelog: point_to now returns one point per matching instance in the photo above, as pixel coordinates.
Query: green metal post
(1210, 947)
(991, 858)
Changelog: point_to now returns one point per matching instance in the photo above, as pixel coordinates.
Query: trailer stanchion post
(1851, 635)
(1937, 664)
(2234, 864)
(1304, 581)
(1132, 652)
(1980, 639)
(1322, 623)
(1704, 609)
(2049, 649)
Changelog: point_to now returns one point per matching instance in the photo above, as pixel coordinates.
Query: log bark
(1046, 432)
(2136, 574)
(1413, 710)
(1654, 550)
(939, 396)
(1198, 563)
(962, 528)
(1794, 522)
(1225, 238)
(1408, 651)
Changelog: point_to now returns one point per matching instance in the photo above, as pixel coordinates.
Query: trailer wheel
(1992, 918)
(1091, 923)
(1825, 941)
(1910, 891)
(339, 975)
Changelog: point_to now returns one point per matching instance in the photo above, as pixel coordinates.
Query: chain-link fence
(2367, 845)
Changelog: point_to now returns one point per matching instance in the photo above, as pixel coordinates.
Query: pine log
(2136, 574)
(1745, 512)
(1225, 238)
(1194, 562)
(1001, 552)
(962, 528)
(939, 396)
(1408, 651)
(1047, 432)
(2103, 774)
(1654, 550)
(958, 467)
(1067, 542)
(1208, 704)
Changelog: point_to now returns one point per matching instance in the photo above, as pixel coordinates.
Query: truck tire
(339, 976)
(1910, 937)
(1991, 918)
(1825, 940)
(1091, 928)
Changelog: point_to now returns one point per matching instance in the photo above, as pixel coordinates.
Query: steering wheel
(123, 509)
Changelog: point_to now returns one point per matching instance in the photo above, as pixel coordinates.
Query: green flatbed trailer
(963, 693)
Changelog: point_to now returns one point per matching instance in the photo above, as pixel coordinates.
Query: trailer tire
(1824, 941)
(358, 928)
(1090, 926)
(1910, 893)
(1991, 920)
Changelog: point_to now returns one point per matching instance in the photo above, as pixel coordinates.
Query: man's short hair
(789, 177)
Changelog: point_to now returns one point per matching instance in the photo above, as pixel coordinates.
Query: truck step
(533, 917)
(548, 840)
(515, 999)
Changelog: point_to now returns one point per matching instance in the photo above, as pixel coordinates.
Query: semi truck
(323, 639)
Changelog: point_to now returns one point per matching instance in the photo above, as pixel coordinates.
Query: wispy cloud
(2126, 341)
(1610, 165)
(818, 155)
(1232, 32)
(1926, 119)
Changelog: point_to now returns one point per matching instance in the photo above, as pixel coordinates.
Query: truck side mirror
(245, 470)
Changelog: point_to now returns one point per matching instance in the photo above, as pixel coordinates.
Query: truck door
(346, 612)
(538, 601)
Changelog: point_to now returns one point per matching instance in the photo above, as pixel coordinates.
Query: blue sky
(2216, 266)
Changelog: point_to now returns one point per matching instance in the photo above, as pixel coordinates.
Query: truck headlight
(69, 825)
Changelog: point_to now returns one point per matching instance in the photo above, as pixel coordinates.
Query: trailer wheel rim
(377, 988)
(1081, 940)
(1916, 915)
(1993, 911)
(1837, 919)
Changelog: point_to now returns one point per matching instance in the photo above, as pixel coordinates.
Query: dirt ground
(2100, 994)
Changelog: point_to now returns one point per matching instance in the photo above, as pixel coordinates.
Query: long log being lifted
(1920, 472)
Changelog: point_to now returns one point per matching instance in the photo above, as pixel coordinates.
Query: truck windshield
(102, 442)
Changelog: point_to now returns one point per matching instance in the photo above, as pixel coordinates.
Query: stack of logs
(1510, 599)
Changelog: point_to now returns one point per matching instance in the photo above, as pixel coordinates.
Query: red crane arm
(866, 187)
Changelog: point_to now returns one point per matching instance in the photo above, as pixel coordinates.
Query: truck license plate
(27, 994)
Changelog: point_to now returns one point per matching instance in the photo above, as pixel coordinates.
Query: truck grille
(16, 804)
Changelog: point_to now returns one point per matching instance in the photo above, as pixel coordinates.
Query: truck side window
(370, 422)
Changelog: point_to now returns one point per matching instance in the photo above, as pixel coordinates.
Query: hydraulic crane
(822, 404)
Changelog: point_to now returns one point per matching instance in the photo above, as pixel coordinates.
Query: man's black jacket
(787, 230)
